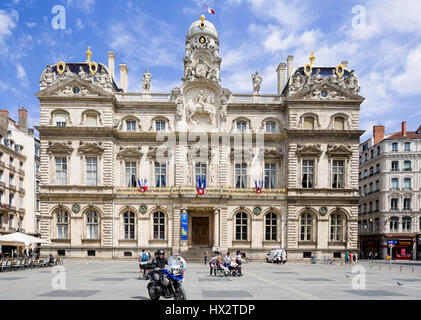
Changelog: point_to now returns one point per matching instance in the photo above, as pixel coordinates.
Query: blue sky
(254, 35)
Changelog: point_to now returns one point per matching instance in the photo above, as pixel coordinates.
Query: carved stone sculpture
(257, 81)
(201, 105)
(146, 81)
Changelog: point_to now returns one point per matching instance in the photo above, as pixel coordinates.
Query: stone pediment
(309, 151)
(339, 151)
(130, 152)
(161, 150)
(73, 87)
(273, 152)
(325, 92)
(90, 149)
(59, 148)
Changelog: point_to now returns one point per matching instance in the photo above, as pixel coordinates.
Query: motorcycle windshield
(173, 262)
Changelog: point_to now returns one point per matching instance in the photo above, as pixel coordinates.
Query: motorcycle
(170, 281)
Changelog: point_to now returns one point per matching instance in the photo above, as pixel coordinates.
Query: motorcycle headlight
(165, 281)
(176, 272)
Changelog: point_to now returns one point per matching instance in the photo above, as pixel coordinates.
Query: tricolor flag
(258, 186)
(143, 185)
(207, 8)
(200, 185)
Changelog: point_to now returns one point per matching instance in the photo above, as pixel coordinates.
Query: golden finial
(312, 58)
(88, 55)
(202, 17)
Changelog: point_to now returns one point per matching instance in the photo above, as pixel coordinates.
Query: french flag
(207, 8)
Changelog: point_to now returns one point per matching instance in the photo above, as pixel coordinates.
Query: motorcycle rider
(159, 262)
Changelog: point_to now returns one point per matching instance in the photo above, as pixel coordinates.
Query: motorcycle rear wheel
(180, 294)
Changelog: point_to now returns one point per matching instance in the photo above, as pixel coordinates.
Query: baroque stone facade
(101, 146)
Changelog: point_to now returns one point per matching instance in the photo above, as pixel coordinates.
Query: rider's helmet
(160, 251)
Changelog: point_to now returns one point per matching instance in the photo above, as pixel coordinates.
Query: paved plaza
(118, 280)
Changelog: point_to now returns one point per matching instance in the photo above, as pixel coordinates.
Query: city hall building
(123, 171)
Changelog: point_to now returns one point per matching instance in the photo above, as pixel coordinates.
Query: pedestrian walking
(206, 257)
(277, 257)
(227, 260)
(284, 256)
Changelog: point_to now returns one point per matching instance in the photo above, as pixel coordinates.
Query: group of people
(280, 257)
(230, 263)
(350, 258)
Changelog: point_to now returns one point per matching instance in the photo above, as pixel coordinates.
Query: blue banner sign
(392, 241)
(184, 226)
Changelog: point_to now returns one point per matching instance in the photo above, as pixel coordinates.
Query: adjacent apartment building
(389, 185)
(19, 175)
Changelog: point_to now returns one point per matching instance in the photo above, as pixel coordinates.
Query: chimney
(378, 134)
(290, 61)
(404, 128)
(111, 63)
(4, 122)
(281, 77)
(345, 64)
(124, 71)
(23, 120)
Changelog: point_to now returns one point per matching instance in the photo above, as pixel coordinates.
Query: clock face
(257, 211)
(323, 211)
(76, 208)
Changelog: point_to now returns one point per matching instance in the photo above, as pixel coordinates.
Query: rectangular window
(241, 175)
(394, 204)
(407, 184)
(407, 146)
(61, 171)
(131, 125)
(308, 174)
(270, 175)
(407, 166)
(37, 186)
(21, 203)
(407, 204)
(160, 175)
(338, 174)
(11, 180)
(395, 184)
(38, 205)
(395, 166)
(395, 147)
(270, 127)
(377, 168)
(131, 174)
(21, 184)
(92, 171)
(11, 199)
(11, 162)
(91, 120)
(200, 171)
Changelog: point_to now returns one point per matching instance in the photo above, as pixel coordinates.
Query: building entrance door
(200, 231)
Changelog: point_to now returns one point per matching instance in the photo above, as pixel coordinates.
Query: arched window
(129, 225)
(62, 224)
(336, 227)
(159, 226)
(309, 123)
(241, 226)
(271, 232)
(339, 123)
(92, 223)
(406, 224)
(306, 233)
(270, 127)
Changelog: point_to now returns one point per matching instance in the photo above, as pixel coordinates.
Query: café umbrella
(20, 240)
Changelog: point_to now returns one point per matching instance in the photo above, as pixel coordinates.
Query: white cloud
(408, 82)
(79, 24)
(84, 5)
(8, 22)
(30, 25)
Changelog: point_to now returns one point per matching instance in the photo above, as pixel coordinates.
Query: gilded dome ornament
(93, 68)
(88, 55)
(202, 24)
(61, 67)
(308, 69)
(340, 70)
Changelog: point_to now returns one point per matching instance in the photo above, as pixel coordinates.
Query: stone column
(183, 243)
(215, 229)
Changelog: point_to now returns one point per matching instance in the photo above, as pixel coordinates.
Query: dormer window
(131, 125)
(339, 123)
(241, 126)
(61, 120)
(270, 127)
(160, 125)
(309, 123)
(91, 120)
